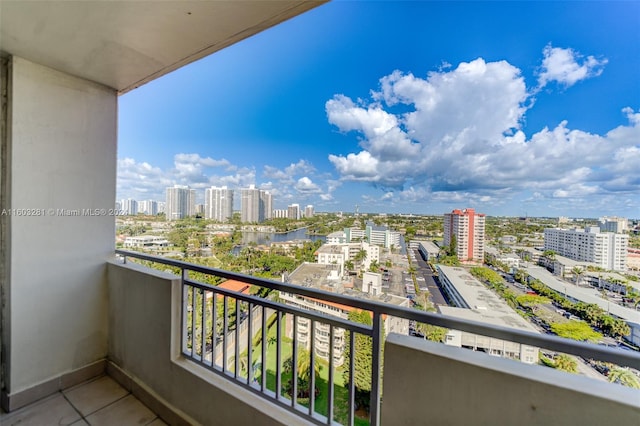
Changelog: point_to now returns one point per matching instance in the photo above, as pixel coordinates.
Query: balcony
(157, 343)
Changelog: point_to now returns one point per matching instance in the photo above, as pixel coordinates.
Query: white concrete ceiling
(124, 44)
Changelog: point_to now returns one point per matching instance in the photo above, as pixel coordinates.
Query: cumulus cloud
(459, 134)
(567, 67)
(306, 186)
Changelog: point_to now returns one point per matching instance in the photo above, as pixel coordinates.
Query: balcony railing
(228, 333)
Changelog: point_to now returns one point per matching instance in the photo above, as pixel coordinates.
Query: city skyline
(452, 104)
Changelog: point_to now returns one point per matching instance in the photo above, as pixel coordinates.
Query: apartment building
(606, 250)
(467, 227)
(218, 203)
(338, 254)
(380, 237)
(181, 202)
(256, 205)
(328, 278)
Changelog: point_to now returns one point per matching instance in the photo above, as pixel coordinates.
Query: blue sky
(512, 108)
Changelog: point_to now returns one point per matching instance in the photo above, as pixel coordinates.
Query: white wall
(62, 155)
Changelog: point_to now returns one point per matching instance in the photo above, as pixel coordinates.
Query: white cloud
(459, 134)
(306, 186)
(567, 67)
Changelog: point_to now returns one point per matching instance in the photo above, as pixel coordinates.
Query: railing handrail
(583, 349)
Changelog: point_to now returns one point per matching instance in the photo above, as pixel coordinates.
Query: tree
(362, 360)
(624, 376)
(452, 250)
(577, 273)
(566, 363)
(576, 330)
(303, 371)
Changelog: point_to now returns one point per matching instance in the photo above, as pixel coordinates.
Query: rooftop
(485, 305)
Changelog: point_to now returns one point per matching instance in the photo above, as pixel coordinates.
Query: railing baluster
(225, 334)
(330, 384)
(294, 359)
(250, 345)
(263, 364)
(183, 315)
(279, 355)
(352, 388)
(237, 340)
(214, 328)
(203, 328)
(312, 366)
(376, 345)
(194, 314)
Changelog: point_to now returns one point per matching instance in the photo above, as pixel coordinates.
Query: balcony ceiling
(124, 44)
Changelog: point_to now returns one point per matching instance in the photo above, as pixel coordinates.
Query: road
(424, 271)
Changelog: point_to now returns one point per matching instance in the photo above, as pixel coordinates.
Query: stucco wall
(61, 155)
(144, 327)
(431, 383)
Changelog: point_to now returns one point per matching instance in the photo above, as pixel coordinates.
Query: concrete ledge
(17, 400)
(431, 382)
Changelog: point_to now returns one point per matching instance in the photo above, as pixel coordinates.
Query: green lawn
(341, 393)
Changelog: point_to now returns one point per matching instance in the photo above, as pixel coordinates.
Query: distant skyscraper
(218, 203)
(149, 207)
(130, 206)
(468, 228)
(308, 211)
(181, 202)
(266, 205)
(293, 211)
(255, 205)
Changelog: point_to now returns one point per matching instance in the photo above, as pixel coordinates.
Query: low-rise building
(328, 278)
(145, 241)
(474, 301)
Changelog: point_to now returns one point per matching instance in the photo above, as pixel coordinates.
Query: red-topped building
(468, 228)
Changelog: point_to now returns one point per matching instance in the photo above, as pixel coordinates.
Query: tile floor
(97, 402)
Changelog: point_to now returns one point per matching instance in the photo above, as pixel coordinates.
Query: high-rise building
(293, 211)
(218, 203)
(255, 205)
(130, 206)
(250, 204)
(149, 207)
(266, 205)
(308, 211)
(607, 250)
(181, 202)
(468, 228)
(279, 214)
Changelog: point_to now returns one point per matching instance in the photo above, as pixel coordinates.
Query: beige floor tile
(80, 423)
(126, 412)
(92, 396)
(53, 410)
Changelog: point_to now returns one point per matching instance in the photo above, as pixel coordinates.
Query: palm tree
(303, 371)
(360, 257)
(577, 273)
(566, 363)
(624, 376)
